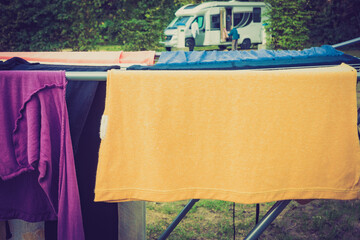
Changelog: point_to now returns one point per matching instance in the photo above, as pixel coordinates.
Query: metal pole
(270, 216)
(257, 213)
(86, 76)
(177, 220)
(101, 76)
(355, 40)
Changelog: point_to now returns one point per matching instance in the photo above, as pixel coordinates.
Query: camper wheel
(246, 44)
(168, 49)
(190, 43)
(222, 47)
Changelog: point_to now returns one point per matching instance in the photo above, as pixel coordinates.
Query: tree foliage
(334, 21)
(29, 25)
(46, 25)
(295, 24)
(138, 25)
(287, 24)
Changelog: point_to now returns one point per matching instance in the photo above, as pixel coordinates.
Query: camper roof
(192, 9)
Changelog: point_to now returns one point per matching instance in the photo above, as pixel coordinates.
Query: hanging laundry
(242, 136)
(79, 94)
(105, 57)
(100, 219)
(37, 171)
(138, 57)
(85, 101)
(2, 230)
(66, 57)
(219, 60)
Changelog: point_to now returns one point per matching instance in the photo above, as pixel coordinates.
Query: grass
(159, 49)
(353, 52)
(208, 219)
(212, 219)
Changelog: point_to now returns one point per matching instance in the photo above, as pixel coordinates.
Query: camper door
(213, 30)
(200, 37)
(225, 23)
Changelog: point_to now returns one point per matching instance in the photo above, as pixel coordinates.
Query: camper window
(242, 19)
(257, 15)
(200, 21)
(215, 22)
(180, 21)
(237, 18)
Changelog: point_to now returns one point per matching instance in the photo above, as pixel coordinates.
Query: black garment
(13, 63)
(85, 102)
(100, 218)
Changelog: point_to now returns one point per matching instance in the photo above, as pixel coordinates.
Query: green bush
(296, 24)
(334, 21)
(47, 25)
(287, 24)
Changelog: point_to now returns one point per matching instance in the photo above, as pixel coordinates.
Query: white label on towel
(103, 126)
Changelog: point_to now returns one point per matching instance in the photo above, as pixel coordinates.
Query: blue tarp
(196, 57)
(213, 60)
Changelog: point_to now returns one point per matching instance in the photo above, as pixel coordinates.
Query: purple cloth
(37, 172)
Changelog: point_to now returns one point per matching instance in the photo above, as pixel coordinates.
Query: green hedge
(46, 25)
(296, 24)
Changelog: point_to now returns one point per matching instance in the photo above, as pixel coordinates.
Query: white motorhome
(215, 20)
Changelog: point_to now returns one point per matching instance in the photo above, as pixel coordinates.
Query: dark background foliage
(49, 25)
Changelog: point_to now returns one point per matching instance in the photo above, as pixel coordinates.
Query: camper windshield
(179, 21)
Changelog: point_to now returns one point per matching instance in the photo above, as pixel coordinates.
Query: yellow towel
(243, 136)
